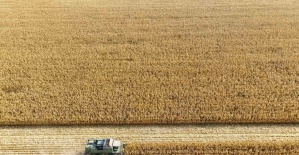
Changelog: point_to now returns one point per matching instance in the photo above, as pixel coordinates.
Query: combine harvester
(107, 146)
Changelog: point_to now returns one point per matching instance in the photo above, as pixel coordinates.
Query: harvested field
(149, 61)
(183, 139)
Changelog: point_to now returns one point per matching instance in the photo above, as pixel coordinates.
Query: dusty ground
(71, 139)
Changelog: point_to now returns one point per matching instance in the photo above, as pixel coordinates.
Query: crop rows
(148, 62)
(290, 147)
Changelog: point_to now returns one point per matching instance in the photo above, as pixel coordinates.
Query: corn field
(148, 62)
(215, 148)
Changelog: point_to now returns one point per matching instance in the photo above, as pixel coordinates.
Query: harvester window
(100, 142)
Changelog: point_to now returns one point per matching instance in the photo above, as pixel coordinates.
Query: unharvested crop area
(215, 148)
(153, 140)
(148, 61)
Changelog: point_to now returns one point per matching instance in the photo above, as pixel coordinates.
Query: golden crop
(246, 147)
(148, 62)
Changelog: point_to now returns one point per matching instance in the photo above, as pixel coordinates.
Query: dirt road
(71, 139)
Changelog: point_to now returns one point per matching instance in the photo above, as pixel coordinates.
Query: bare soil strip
(71, 139)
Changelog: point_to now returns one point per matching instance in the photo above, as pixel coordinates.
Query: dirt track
(71, 140)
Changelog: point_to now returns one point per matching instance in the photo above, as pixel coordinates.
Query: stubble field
(154, 140)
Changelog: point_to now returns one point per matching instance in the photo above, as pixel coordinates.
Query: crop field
(152, 140)
(128, 69)
(148, 61)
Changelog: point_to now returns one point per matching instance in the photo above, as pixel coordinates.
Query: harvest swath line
(71, 139)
